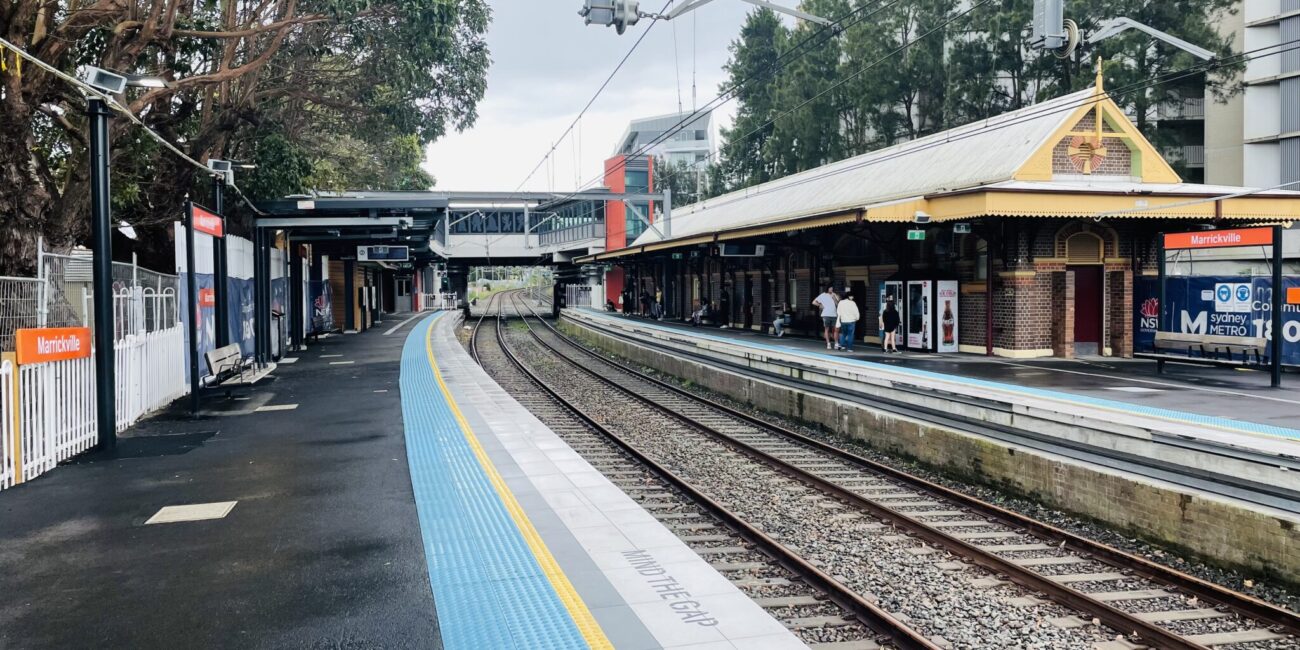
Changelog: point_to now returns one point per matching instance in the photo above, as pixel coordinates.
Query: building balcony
(1190, 108)
(1191, 156)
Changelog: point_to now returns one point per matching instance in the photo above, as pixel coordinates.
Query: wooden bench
(224, 365)
(1206, 349)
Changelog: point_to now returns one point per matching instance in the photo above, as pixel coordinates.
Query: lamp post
(101, 226)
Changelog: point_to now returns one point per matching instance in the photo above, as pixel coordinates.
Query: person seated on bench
(780, 320)
(701, 314)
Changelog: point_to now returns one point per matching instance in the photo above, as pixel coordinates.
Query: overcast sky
(545, 67)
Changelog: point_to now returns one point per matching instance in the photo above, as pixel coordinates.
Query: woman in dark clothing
(889, 322)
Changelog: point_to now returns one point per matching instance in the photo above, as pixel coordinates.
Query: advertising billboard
(1217, 305)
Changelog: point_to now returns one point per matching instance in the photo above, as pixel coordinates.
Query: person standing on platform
(657, 310)
(890, 319)
(645, 302)
(826, 303)
(849, 316)
(724, 308)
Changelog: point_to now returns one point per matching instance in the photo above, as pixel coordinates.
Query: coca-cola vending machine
(931, 316)
(946, 301)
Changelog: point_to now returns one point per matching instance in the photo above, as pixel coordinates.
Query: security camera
(921, 217)
(107, 82)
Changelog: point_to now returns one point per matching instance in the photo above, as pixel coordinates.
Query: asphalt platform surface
(322, 550)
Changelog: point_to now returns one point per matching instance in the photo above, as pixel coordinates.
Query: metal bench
(225, 364)
(1206, 349)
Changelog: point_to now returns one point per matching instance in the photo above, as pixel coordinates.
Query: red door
(1087, 309)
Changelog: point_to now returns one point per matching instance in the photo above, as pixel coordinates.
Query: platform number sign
(1232, 297)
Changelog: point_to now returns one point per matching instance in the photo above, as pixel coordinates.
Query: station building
(1022, 236)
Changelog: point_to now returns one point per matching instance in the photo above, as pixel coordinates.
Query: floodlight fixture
(104, 81)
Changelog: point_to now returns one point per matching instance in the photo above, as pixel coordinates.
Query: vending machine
(893, 289)
(931, 315)
(919, 315)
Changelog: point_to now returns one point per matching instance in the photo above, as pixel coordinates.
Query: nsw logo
(1150, 307)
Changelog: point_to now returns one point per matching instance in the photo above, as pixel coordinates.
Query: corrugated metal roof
(981, 153)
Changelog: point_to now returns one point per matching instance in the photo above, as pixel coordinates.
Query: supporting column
(221, 267)
(297, 297)
(350, 297)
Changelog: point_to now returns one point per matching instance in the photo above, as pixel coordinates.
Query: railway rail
(1146, 602)
(810, 603)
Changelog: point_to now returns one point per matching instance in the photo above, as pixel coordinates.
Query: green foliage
(893, 71)
(328, 94)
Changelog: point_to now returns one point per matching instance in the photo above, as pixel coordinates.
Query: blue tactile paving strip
(1083, 400)
(488, 587)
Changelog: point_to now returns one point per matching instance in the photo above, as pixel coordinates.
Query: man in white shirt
(849, 317)
(826, 303)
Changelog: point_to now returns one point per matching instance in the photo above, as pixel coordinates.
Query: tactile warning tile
(1136, 409)
(488, 588)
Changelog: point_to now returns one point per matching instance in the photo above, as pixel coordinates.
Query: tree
(905, 69)
(752, 71)
(308, 71)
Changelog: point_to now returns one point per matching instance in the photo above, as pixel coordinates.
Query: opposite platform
(529, 546)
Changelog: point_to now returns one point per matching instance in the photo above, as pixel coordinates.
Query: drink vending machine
(930, 315)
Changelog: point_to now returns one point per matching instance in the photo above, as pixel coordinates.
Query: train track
(802, 597)
(1145, 602)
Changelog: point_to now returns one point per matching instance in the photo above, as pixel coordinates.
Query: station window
(637, 181)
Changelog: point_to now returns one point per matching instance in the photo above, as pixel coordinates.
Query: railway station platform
(378, 491)
(1224, 398)
(529, 546)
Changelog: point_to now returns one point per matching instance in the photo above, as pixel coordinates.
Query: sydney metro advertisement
(1219, 305)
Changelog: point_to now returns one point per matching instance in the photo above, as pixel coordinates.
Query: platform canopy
(1077, 156)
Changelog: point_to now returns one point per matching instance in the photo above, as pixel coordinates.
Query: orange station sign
(207, 298)
(1220, 238)
(42, 345)
(208, 222)
(1293, 295)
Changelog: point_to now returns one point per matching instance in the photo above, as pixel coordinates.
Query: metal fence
(577, 295)
(62, 295)
(20, 306)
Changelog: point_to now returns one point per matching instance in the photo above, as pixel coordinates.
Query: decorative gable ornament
(1086, 153)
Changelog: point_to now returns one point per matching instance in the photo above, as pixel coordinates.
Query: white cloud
(546, 67)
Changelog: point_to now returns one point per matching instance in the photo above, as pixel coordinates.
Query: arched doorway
(1084, 257)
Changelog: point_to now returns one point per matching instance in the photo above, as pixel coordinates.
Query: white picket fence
(7, 457)
(56, 400)
(150, 373)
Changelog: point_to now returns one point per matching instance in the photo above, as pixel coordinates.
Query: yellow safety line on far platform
(582, 617)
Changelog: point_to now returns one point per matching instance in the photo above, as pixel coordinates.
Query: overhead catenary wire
(596, 96)
(117, 107)
(728, 93)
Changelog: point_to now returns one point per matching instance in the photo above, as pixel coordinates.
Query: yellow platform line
(582, 617)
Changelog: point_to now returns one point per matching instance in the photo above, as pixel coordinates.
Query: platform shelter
(1023, 235)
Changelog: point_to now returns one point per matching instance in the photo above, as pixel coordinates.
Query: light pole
(101, 227)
